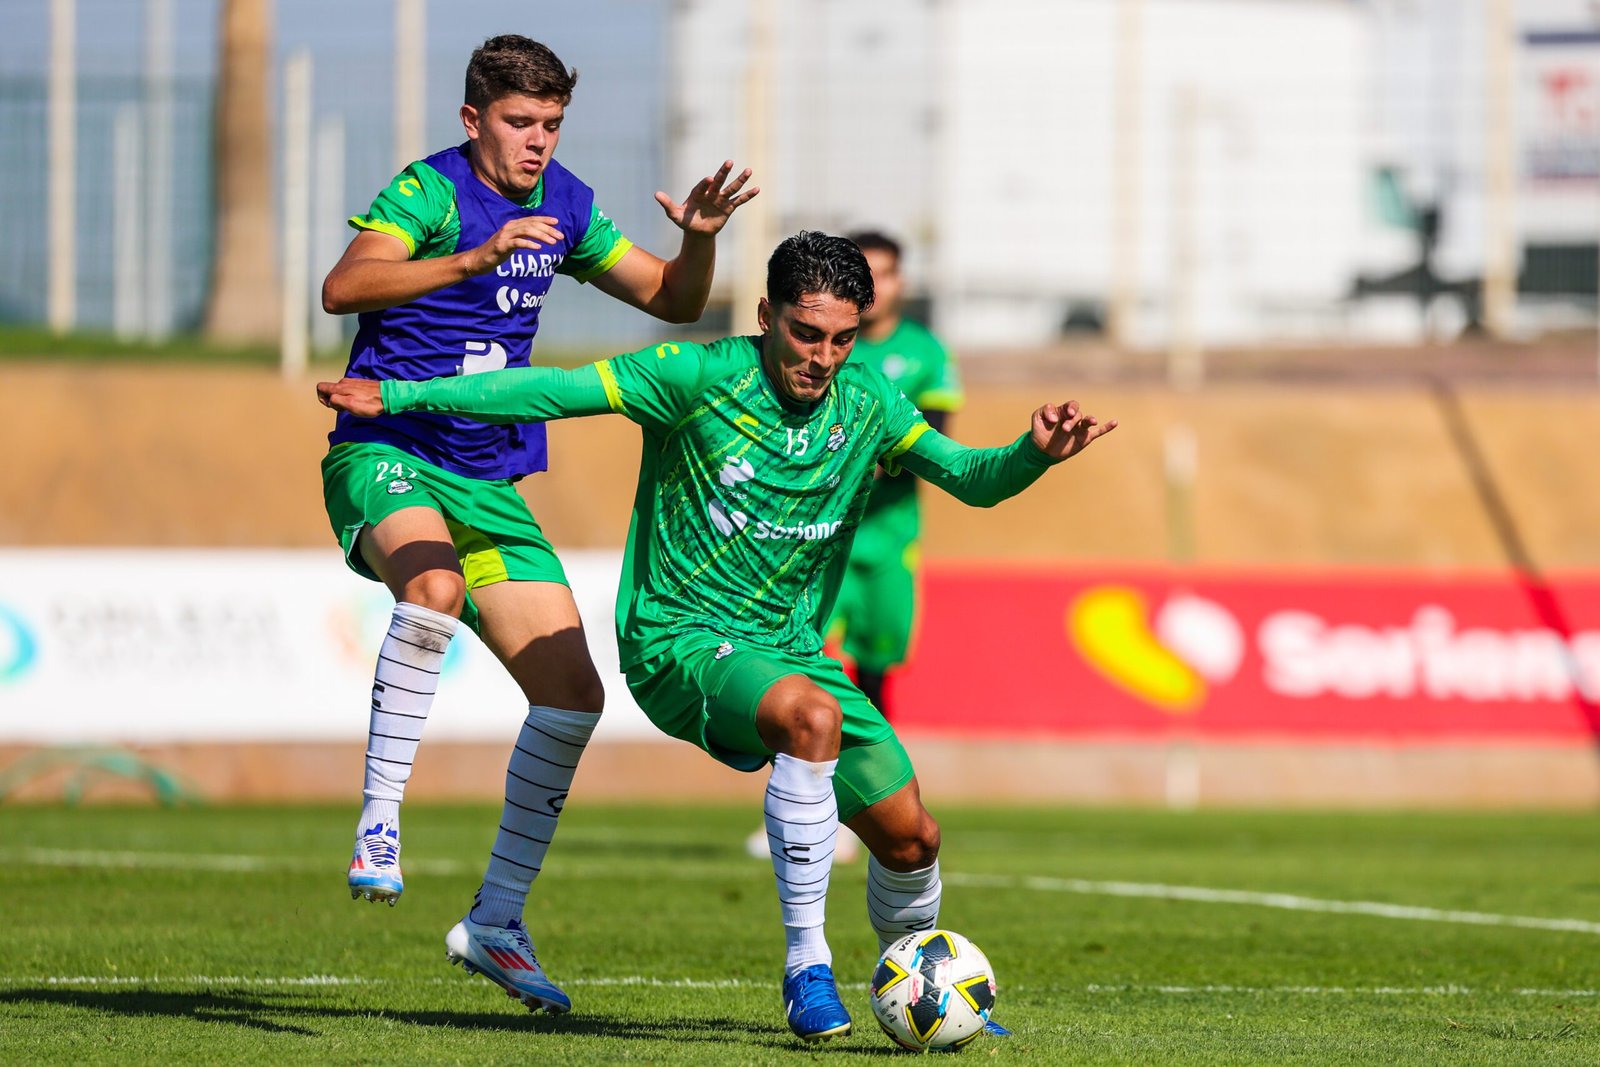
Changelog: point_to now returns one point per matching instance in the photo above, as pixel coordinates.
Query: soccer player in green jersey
(756, 467)
(876, 610)
(449, 271)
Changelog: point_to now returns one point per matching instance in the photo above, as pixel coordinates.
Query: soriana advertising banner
(1327, 656)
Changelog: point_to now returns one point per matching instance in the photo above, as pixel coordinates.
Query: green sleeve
(598, 250)
(418, 207)
(981, 477)
(523, 394)
(657, 386)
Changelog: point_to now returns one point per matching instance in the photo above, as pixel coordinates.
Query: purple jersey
(482, 323)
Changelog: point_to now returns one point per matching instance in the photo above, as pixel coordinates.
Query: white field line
(1205, 895)
(1336, 991)
(214, 981)
(52, 857)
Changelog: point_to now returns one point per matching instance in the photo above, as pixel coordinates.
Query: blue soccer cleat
(504, 955)
(375, 865)
(994, 1029)
(811, 999)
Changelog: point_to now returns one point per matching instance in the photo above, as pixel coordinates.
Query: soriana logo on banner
(1330, 656)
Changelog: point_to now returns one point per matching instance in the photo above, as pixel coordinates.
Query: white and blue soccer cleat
(504, 955)
(375, 865)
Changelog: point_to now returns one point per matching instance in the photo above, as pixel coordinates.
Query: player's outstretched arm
(676, 290)
(1061, 431)
(982, 477)
(360, 397)
(524, 394)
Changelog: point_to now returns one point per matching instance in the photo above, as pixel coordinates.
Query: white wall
(983, 133)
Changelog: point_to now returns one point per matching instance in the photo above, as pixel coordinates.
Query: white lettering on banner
(112, 635)
(1306, 656)
(150, 646)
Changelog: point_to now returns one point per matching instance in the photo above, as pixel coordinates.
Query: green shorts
(495, 535)
(877, 607)
(705, 690)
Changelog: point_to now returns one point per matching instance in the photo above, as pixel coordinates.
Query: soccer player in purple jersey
(448, 273)
(757, 463)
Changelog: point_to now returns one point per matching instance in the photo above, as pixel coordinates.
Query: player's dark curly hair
(813, 262)
(513, 64)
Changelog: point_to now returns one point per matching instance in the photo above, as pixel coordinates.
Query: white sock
(901, 902)
(402, 692)
(802, 823)
(538, 777)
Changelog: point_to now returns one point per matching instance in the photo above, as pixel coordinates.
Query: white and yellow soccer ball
(933, 990)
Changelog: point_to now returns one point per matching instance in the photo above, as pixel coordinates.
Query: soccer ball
(933, 990)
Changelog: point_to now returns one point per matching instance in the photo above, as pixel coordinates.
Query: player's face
(513, 139)
(887, 283)
(804, 344)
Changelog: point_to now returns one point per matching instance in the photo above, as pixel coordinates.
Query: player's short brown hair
(512, 64)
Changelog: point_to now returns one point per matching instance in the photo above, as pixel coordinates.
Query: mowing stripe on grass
(747, 983)
(1336, 991)
(55, 857)
(195, 861)
(1204, 895)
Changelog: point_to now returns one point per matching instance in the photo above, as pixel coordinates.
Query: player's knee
(582, 691)
(915, 848)
(573, 686)
(809, 727)
(438, 590)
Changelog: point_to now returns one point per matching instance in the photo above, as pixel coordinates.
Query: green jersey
(746, 500)
(921, 368)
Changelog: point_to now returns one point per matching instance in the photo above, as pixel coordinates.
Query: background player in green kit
(877, 606)
(756, 467)
(448, 271)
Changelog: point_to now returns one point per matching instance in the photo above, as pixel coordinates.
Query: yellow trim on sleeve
(906, 442)
(940, 400)
(608, 378)
(620, 249)
(379, 226)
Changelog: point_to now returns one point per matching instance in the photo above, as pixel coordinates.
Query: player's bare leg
(535, 630)
(411, 552)
(903, 885)
(801, 722)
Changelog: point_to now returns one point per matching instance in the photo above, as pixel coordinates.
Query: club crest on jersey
(836, 437)
(723, 650)
(400, 486)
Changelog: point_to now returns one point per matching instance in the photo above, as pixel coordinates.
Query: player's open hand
(710, 203)
(1063, 430)
(358, 396)
(527, 233)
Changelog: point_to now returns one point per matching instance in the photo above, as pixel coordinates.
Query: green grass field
(137, 935)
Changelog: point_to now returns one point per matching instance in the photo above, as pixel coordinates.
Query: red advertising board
(1215, 655)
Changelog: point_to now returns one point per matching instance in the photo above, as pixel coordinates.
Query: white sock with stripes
(902, 902)
(802, 824)
(403, 685)
(538, 777)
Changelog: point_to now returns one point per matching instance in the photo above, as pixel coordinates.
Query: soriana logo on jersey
(1336, 655)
